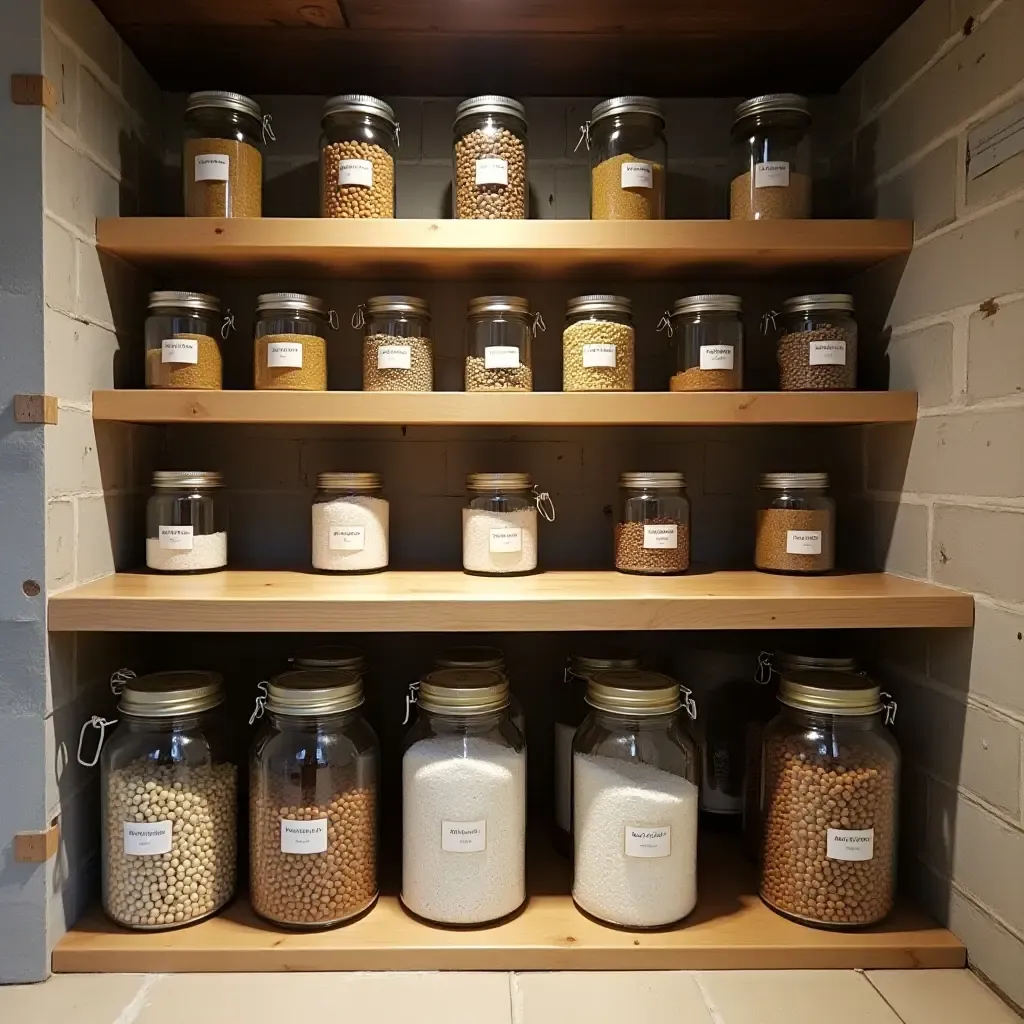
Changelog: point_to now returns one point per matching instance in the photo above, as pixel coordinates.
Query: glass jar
(350, 523)
(169, 797)
(499, 524)
(482, 657)
(398, 354)
(830, 802)
(186, 523)
(707, 331)
(332, 656)
(773, 159)
(598, 344)
(635, 796)
(463, 801)
(652, 535)
(221, 157)
(499, 343)
(183, 335)
(358, 146)
(628, 157)
(796, 524)
(817, 347)
(314, 769)
(490, 181)
(291, 342)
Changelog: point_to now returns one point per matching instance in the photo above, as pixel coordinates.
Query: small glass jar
(291, 342)
(398, 354)
(358, 146)
(490, 181)
(481, 657)
(464, 801)
(817, 346)
(652, 535)
(314, 771)
(183, 335)
(598, 344)
(634, 802)
(350, 523)
(830, 802)
(186, 523)
(796, 524)
(628, 158)
(707, 331)
(222, 158)
(499, 343)
(773, 159)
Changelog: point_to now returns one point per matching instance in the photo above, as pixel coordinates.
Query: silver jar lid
(314, 692)
(348, 481)
(587, 665)
(599, 304)
(356, 103)
(792, 662)
(821, 302)
(627, 105)
(831, 693)
(463, 691)
(499, 304)
(794, 481)
(499, 482)
(331, 656)
(708, 304)
(653, 480)
(289, 302)
(398, 304)
(186, 479)
(490, 105)
(169, 694)
(471, 656)
(633, 692)
(772, 103)
(194, 302)
(233, 101)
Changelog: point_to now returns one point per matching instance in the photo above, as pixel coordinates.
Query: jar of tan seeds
(598, 344)
(291, 342)
(398, 354)
(490, 159)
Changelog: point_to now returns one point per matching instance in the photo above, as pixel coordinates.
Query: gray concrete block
(995, 351)
(980, 550)
(922, 361)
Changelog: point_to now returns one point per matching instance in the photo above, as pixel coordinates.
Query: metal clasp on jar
(117, 684)
(584, 136)
(268, 130)
(765, 668)
(768, 317)
(889, 706)
(410, 699)
(665, 323)
(688, 702)
(359, 317)
(538, 324)
(261, 702)
(545, 505)
(228, 326)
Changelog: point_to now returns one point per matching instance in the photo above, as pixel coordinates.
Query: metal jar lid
(822, 302)
(193, 302)
(490, 105)
(289, 302)
(587, 665)
(471, 656)
(398, 304)
(627, 105)
(499, 304)
(708, 304)
(794, 481)
(169, 694)
(175, 479)
(331, 656)
(314, 692)
(599, 304)
(356, 103)
(789, 662)
(832, 693)
(657, 481)
(633, 692)
(348, 481)
(498, 482)
(463, 691)
(772, 103)
(233, 101)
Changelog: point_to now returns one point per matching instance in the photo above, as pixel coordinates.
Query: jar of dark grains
(398, 354)
(291, 342)
(707, 331)
(358, 147)
(796, 524)
(830, 802)
(773, 159)
(222, 161)
(186, 523)
(499, 343)
(183, 336)
(490, 159)
(817, 348)
(652, 535)
(598, 344)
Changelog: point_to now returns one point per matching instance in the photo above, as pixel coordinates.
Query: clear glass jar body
(169, 798)
(313, 819)
(628, 160)
(796, 531)
(709, 351)
(222, 163)
(398, 354)
(652, 534)
(499, 532)
(490, 181)
(634, 818)
(186, 530)
(499, 351)
(290, 352)
(773, 167)
(464, 818)
(817, 351)
(830, 812)
(183, 349)
(357, 166)
(598, 351)
(351, 529)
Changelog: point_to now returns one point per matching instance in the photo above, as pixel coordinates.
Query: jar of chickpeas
(357, 158)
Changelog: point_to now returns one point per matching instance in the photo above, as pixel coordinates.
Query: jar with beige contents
(398, 354)
(291, 342)
(490, 159)
(183, 339)
(499, 343)
(707, 331)
(796, 528)
(598, 344)
(652, 535)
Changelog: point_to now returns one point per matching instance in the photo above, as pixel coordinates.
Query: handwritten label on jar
(717, 357)
(850, 844)
(661, 535)
(355, 172)
(648, 842)
(501, 357)
(505, 540)
(492, 171)
(284, 353)
(347, 538)
(394, 357)
(803, 542)
(637, 175)
(176, 538)
(304, 836)
(147, 838)
(179, 350)
(463, 836)
(599, 355)
(212, 167)
(773, 174)
(827, 353)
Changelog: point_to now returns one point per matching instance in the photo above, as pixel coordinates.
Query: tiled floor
(669, 997)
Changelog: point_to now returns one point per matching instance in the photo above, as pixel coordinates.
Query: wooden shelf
(237, 601)
(531, 248)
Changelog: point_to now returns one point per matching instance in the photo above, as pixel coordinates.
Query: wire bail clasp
(545, 504)
(768, 317)
(584, 136)
(765, 668)
(538, 324)
(96, 722)
(228, 326)
(359, 316)
(268, 130)
(398, 129)
(688, 702)
(333, 319)
(261, 702)
(118, 680)
(665, 323)
(889, 704)
(410, 699)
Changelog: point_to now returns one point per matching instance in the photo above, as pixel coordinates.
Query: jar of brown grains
(796, 524)
(313, 801)
(398, 354)
(291, 342)
(817, 347)
(598, 344)
(499, 343)
(707, 331)
(490, 159)
(183, 339)
(652, 535)
(830, 802)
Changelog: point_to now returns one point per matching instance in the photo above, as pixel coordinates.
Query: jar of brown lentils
(830, 801)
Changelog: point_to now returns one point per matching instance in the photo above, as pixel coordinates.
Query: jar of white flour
(350, 523)
(186, 523)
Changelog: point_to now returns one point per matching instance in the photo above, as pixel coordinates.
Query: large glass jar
(291, 342)
(499, 343)
(464, 801)
(474, 656)
(358, 146)
(707, 331)
(817, 347)
(628, 157)
(186, 523)
(830, 802)
(221, 158)
(490, 160)
(635, 796)
(313, 769)
(398, 354)
(598, 344)
(773, 159)
(652, 534)
(796, 524)
(351, 523)
(183, 334)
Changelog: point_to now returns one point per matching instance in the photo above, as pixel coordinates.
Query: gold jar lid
(170, 694)
(633, 692)
(587, 665)
(471, 656)
(331, 656)
(348, 481)
(498, 482)
(463, 691)
(314, 691)
(831, 693)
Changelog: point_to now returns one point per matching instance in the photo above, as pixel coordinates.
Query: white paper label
(717, 357)
(850, 844)
(347, 538)
(463, 836)
(774, 174)
(304, 836)
(599, 355)
(492, 171)
(827, 353)
(803, 542)
(212, 167)
(661, 535)
(147, 838)
(394, 357)
(648, 842)
(284, 353)
(563, 774)
(506, 539)
(355, 172)
(637, 175)
(175, 538)
(501, 357)
(179, 350)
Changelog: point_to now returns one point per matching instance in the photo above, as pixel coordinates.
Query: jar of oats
(499, 343)
(358, 147)
(183, 338)
(707, 331)
(313, 801)
(398, 354)
(291, 342)
(490, 159)
(652, 535)
(598, 344)
(796, 524)
(830, 801)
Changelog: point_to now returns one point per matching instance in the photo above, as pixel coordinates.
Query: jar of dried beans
(490, 159)
(313, 801)
(796, 524)
(398, 354)
(598, 344)
(186, 523)
(499, 343)
(707, 331)
(652, 535)
(830, 802)
(817, 347)
(351, 523)
(483, 657)
(291, 342)
(183, 336)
